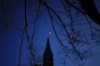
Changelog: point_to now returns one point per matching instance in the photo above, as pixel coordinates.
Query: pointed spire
(48, 55)
(48, 48)
(48, 45)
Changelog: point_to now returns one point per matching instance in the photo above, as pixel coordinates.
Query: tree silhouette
(91, 10)
(70, 21)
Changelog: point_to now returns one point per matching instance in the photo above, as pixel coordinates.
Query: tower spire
(48, 55)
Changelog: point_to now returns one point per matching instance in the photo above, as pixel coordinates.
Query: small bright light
(49, 33)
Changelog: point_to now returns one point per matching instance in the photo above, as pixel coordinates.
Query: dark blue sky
(10, 40)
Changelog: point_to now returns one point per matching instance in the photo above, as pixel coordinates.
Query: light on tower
(49, 33)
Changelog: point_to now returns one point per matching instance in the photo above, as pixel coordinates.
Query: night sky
(10, 38)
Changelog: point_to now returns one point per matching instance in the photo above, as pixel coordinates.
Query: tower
(48, 55)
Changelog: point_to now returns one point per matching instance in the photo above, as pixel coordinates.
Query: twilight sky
(11, 37)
